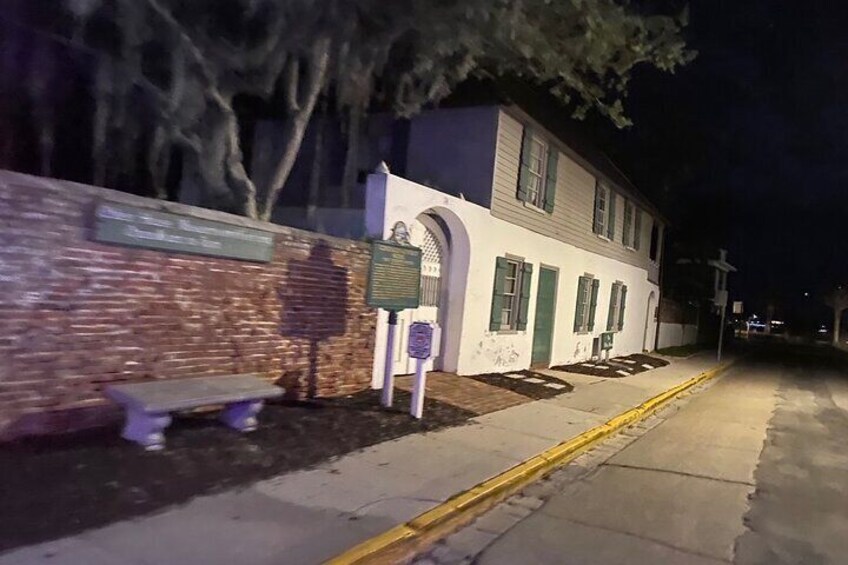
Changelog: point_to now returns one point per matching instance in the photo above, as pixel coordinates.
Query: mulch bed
(57, 486)
(609, 369)
(536, 391)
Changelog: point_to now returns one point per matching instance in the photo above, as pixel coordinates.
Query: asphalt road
(752, 468)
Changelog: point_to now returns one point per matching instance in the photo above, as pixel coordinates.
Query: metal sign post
(423, 343)
(721, 301)
(387, 396)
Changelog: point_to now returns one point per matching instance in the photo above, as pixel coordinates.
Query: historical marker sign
(394, 281)
(139, 227)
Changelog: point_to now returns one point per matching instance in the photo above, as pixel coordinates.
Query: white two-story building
(532, 248)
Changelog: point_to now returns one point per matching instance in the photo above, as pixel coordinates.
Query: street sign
(394, 280)
(606, 341)
(420, 344)
(737, 307)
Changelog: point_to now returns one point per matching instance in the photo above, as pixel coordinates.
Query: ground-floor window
(618, 297)
(587, 303)
(511, 294)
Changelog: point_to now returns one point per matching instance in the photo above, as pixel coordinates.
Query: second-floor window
(631, 235)
(627, 232)
(538, 171)
(654, 250)
(637, 229)
(604, 221)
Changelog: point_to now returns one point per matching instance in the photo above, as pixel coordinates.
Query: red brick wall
(75, 314)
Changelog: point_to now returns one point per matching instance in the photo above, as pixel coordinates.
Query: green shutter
(637, 229)
(524, 297)
(611, 321)
(551, 180)
(598, 224)
(611, 224)
(581, 304)
(621, 310)
(524, 167)
(628, 223)
(593, 305)
(497, 294)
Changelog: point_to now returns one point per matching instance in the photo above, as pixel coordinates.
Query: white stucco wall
(468, 346)
(673, 335)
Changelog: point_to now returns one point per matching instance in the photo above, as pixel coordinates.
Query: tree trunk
(316, 174)
(351, 155)
(158, 162)
(214, 175)
(102, 110)
(43, 113)
(295, 125)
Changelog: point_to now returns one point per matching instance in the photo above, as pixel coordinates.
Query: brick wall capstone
(76, 315)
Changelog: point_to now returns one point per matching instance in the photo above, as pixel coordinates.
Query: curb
(403, 540)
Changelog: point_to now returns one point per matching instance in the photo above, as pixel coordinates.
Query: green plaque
(394, 281)
(140, 227)
(606, 341)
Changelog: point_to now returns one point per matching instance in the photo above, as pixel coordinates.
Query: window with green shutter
(582, 299)
(524, 177)
(587, 304)
(611, 218)
(537, 171)
(551, 180)
(593, 304)
(510, 295)
(637, 229)
(495, 319)
(601, 207)
(618, 296)
(621, 308)
(627, 232)
(524, 296)
(612, 317)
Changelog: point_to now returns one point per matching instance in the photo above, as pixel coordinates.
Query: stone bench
(148, 405)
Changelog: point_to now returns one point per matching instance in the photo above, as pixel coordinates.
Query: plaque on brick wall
(394, 280)
(140, 227)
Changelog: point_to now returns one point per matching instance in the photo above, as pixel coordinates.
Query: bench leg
(242, 415)
(146, 429)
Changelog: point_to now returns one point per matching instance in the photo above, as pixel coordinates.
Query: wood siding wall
(571, 220)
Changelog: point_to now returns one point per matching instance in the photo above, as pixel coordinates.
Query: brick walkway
(464, 393)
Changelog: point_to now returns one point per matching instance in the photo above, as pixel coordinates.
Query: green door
(543, 326)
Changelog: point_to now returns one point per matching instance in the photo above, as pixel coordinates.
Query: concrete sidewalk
(312, 515)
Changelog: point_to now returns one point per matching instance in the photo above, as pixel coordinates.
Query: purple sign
(420, 343)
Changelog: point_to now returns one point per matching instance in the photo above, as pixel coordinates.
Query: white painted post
(721, 333)
(417, 406)
(389, 371)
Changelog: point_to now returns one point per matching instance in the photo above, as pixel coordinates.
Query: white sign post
(423, 344)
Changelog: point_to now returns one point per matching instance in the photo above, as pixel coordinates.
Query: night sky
(745, 147)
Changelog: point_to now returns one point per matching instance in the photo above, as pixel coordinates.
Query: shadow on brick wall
(314, 309)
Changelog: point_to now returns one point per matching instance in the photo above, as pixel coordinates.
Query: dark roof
(535, 103)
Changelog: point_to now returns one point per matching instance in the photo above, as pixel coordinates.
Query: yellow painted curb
(460, 508)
